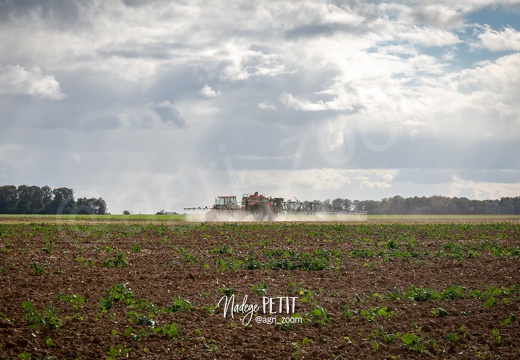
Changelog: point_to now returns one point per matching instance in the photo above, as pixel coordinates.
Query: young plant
(413, 342)
(75, 300)
(370, 314)
(118, 292)
(381, 334)
(510, 319)
(226, 291)
(37, 320)
(171, 331)
(117, 351)
(119, 261)
(179, 304)
(87, 262)
(135, 248)
(318, 315)
(36, 269)
(259, 289)
(440, 312)
(48, 247)
(189, 258)
(139, 319)
(347, 312)
(496, 335)
(414, 293)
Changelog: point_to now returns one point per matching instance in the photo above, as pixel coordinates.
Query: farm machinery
(261, 208)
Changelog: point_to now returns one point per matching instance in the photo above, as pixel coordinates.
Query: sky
(160, 105)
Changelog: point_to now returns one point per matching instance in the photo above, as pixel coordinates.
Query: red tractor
(262, 207)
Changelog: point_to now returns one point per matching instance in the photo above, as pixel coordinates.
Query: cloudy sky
(164, 104)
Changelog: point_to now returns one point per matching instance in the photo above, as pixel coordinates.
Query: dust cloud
(226, 216)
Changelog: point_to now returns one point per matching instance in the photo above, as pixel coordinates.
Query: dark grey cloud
(425, 176)
(437, 16)
(491, 176)
(60, 13)
(168, 114)
(104, 122)
(317, 30)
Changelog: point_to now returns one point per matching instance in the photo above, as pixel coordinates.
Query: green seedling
(491, 301)
(347, 312)
(47, 318)
(48, 341)
(509, 320)
(414, 293)
(48, 247)
(224, 249)
(119, 261)
(36, 269)
(451, 337)
(413, 342)
(227, 291)
(136, 334)
(370, 314)
(118, 292)
(75, 300)
(189, 258)
(171, 331)
(87, 262)
(139, 319)
(118, 351)
(318, 315)
(381, 334)
(179, 304)
(496, 335)
(259, 289)
(440, 312)
(135, 248)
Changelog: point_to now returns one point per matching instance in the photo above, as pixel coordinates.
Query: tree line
(26, 199)
(433, 205)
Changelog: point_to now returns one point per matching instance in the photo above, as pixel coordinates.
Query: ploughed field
(260, 290)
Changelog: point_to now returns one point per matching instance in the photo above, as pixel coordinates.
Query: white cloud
(337, 104)
(267, 105)
(368, 184)
(20, 81)
(208, 92)
(506, 40)
(482, 190)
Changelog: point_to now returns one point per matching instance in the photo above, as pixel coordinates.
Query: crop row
(358, 232)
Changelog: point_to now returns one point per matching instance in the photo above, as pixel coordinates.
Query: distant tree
(46, 199)
(90, 206)
(439, 205)
(84, 206)
(371, 206)
(26, 199)
(8, 199)
(30, 199)
(337, 204)
(347, 204)
(63, 201)
(101, 206)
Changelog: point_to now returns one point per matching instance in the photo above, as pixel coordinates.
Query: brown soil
(169, 260)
